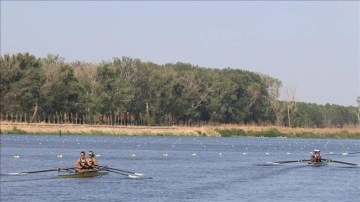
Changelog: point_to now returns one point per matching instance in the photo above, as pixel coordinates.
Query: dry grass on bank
(287, 130)
(38, 128)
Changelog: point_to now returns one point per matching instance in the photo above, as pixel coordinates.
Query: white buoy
(97, 155)
(16, 156)
(59, 156)
(193, 154)
(133, 155)
(165, 154)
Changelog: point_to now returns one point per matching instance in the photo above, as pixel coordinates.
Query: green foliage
(20, 83)
(275, 133)
(269, 133)
(64, 94)
(127, 91)
(240, 132)
(15, 130)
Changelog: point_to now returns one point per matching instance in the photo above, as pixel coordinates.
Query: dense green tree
(63, 95)
(21, 79)
(129, 91)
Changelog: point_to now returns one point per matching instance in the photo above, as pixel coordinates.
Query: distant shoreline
(214, 131)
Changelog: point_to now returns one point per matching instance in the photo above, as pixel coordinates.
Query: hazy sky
(312, 47)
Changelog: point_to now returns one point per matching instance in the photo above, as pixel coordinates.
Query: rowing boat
(318, 164)
(84, 174)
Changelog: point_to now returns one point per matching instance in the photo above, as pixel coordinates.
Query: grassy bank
(275, 133)
(215, 131)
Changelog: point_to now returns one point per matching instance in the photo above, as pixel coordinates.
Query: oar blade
(124, 171)
(139, 177)
(14, 174)
(133, 176)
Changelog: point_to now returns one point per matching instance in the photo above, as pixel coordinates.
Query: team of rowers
(83, 163)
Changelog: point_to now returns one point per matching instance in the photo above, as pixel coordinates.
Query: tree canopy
(127, 91)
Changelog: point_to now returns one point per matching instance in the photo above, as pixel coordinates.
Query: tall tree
(21, 79)
(273, 88)
(290, 101)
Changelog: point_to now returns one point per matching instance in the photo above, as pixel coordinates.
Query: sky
(312, 47)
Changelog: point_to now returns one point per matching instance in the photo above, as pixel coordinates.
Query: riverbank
(215, 131)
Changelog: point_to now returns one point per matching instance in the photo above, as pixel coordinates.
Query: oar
(346, 163)
(344, 154)
(37, 171)
(281, 162)
(129, 175)
(124, 171)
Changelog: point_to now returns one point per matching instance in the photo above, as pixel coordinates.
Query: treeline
(127, 91)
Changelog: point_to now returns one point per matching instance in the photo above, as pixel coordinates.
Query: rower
(92, 161)
(81, 164)
(315, 156)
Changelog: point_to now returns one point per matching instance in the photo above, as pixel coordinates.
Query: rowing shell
(318, 164)
(84, 174)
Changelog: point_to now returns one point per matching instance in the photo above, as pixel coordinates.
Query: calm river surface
(182, 169)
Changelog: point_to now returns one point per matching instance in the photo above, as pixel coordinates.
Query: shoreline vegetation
(212, 131)
(126, 91)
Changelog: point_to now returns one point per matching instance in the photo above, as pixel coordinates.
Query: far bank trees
(126, 91)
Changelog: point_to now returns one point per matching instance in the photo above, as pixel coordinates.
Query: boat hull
(318, 164)
(84, 174)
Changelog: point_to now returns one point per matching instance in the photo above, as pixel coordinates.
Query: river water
(180, 169)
